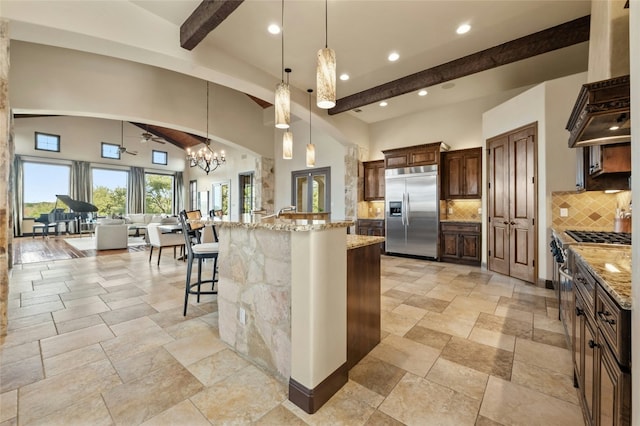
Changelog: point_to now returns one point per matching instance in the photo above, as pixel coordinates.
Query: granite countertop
(611, 265)
(355, 241)
(296, 225)
(474, 221)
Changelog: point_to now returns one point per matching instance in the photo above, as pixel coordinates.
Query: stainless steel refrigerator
(411, 211)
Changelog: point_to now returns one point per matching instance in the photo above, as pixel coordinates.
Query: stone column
(351, 182)
(265, 183)
(6, 160)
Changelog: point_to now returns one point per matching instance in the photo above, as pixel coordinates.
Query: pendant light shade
(311, 149)
(311, 155)
(326, 78)
(287, 145)
(326, 69)
(282, 106)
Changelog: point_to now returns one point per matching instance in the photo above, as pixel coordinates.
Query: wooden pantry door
(511, 159)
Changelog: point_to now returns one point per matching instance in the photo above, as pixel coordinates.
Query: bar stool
(198, 251)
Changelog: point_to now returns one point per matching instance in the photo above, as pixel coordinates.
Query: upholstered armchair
(111, 234)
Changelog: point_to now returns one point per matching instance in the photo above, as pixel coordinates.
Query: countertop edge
(288, 225)
(357, 241)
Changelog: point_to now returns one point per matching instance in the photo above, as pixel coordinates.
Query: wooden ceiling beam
(204, 19)
(560, 36)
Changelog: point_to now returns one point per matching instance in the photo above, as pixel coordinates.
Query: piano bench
(44, 228)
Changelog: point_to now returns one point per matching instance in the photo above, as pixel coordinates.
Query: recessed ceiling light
(344, 77)
(422, 93)
(383, 104)
(463, 29)
(274, 29)
(614, 127)
(393, 56)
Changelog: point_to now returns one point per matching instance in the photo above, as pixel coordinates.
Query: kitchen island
(283, 301)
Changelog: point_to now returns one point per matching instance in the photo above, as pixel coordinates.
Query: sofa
(111, 234)
(138, 222)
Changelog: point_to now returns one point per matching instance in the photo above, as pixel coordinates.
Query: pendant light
(287, 145)
(283, 95)
(326, 70)
(311, 149)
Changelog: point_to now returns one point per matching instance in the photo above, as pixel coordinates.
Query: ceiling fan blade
(158, 140)
(132, 152)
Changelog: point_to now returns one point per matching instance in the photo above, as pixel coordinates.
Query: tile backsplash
(462, 210)
(588, 210)
(371, 209)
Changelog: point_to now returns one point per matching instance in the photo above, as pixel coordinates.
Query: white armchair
(160, 240)
(112, 235)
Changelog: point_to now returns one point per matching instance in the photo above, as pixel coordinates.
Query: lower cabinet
(371, 227)
(460, 242)
(604, 381)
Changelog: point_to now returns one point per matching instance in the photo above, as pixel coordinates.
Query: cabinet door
(473, 174)
(453, 176)
(396, 160)
(613, 389)
(589, 365)
(577, 334)
(380, 172)
(449, 244)
(370, 183)
(424, 157)
(470, 247)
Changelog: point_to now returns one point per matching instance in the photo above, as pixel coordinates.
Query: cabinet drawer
(585, 284)
(615, 324)
(460, 227)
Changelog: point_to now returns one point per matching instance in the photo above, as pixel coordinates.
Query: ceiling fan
(146, 137)
(122, 148)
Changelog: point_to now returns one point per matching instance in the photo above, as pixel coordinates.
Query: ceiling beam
(204, 19)
(563, 35)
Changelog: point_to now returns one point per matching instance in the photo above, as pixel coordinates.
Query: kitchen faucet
(285, 209)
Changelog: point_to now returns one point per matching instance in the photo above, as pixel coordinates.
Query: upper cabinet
(419, 155)
(462, 174)
(373, 180)
(599, 168)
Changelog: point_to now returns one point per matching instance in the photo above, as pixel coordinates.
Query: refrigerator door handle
(402, 213)
(408, 209)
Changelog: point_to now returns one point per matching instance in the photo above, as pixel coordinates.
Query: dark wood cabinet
(373, 180)
(371, 227)
(601, 348)
(460, 242)
(462, 174)
(603, 167)
(419, 155)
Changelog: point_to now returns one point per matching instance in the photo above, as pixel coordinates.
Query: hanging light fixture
(287, 145)
(311, 149)
(326, 70)
(205, 158)
(283, 95)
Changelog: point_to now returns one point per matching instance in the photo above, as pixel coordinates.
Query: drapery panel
(81, 181)
(17, 188)
(135, 190)
(179, 198)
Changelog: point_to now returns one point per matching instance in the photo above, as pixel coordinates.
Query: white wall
(458, 125)
(329, 153)
(634, 37)
(549, 104)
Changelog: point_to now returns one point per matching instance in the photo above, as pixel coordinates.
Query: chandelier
(206, 158)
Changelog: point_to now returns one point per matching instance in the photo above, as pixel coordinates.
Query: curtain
(81, 181)
(135, 190)
(16, 186)
(179, 197)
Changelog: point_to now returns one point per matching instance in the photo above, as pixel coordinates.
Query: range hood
(601, 114)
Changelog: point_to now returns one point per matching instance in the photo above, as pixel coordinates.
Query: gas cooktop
(601, 237)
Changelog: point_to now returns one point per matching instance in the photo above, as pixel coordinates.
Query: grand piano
(79, 212)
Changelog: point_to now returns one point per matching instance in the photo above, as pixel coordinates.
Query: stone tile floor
(102, 340)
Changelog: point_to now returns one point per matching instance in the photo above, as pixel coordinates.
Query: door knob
(579, 311)
(512, 223)
(593, 344)
(505, 223)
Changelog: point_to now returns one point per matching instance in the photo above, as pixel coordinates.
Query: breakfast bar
(284, 301)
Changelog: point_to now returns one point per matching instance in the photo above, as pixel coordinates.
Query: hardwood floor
(38, 249)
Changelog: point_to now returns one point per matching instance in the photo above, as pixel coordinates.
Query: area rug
(89, 243)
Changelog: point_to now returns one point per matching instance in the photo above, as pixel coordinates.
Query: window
(158, 193)
(47, 142)
(220, 198)
(159, 157)
(42, 182)
(110, 191)
(110, 150)
(311, 190)
(193, 191)
(246, 192)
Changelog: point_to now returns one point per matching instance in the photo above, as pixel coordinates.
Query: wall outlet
(479, 210)
(564, 212)
(242, 316)
(450, 210)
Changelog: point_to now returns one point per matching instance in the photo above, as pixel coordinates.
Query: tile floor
(102, 340)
